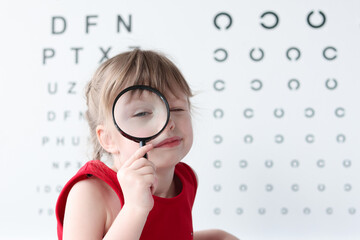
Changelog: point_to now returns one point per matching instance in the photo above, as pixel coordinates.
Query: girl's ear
(105, 139)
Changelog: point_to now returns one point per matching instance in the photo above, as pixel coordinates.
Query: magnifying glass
(140, 113)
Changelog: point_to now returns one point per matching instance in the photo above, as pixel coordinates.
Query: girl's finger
(145, 170)
(141, 163)
(138, 154)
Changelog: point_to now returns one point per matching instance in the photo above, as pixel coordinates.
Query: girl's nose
(171, 124)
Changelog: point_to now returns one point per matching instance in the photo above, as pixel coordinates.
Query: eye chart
(275, 112)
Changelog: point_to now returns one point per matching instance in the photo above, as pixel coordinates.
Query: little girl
(136, 198)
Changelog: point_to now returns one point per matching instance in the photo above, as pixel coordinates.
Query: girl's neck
(167, 185)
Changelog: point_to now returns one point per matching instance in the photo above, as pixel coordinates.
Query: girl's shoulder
(90, 186)
(87, 199)
(93, 203)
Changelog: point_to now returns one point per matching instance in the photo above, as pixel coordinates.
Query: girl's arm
(213, 234)
(86, 216)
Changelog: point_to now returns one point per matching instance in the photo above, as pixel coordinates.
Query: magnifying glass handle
(143, 143)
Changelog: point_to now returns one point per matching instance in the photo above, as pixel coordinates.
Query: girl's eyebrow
(175, 98)
(176, 101)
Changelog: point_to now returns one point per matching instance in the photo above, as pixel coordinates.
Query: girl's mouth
(169, 142)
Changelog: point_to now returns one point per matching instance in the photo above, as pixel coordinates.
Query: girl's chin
(164, 161)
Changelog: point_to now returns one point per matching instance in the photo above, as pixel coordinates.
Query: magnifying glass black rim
(141, 87)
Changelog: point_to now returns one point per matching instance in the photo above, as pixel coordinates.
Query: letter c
(257, 59)
(223, 15)
(223, 55)
(276, 20)
(313, 25)
(326, 56)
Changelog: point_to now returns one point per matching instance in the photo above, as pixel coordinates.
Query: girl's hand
(138, 181)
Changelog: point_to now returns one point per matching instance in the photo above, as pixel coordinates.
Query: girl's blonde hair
(137, 67)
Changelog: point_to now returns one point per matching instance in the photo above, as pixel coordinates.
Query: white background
(232, 196)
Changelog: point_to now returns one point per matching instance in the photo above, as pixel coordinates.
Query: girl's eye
(141, 114)
(176, 110)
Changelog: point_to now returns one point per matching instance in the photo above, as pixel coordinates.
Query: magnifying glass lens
(140, 113)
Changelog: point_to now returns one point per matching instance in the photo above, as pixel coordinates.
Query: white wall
(261, 177)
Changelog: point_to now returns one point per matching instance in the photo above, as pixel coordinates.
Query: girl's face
(170, 146)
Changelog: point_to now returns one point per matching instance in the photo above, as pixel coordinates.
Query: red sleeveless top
(170, 218)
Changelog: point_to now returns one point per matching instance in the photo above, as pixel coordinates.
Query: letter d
(61, 26)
